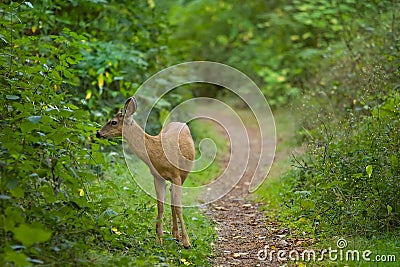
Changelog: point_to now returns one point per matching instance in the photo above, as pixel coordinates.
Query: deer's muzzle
(98, 135)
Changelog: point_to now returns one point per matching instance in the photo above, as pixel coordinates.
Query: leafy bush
(348, 181)
(350, 178)
(46, 155)
(59, 69)
(120, 45)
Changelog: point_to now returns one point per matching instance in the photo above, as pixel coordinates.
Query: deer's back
(174, 141)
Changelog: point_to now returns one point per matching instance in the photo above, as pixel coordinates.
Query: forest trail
(242, 228)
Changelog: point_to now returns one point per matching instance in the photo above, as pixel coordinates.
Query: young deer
(169, 155)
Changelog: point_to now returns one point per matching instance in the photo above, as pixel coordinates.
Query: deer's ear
(130, 106)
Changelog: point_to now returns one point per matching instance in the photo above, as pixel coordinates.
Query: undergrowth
(346, 183)
(127, 223)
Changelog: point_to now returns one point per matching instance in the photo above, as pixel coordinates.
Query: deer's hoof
(159, 240)
(186, 245)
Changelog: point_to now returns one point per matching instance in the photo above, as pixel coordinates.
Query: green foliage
(45, 151)
(347, 183)
(351, 179)
(120, 44)
(67, 64)
(278, 44)
(60, 69)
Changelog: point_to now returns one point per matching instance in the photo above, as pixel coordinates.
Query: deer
(169, 156)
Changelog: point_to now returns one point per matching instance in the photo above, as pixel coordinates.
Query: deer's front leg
(160, 185)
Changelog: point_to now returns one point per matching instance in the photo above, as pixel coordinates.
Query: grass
(270, 194)
(129, 214)
(269, 191)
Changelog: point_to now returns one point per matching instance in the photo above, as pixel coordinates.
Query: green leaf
(369, 170)
(12, 218)
(29, 234)
(18, 258)
(222, 39)
(68, 74)
(34, 119)
(12, 97)
(27, 126)
(29, 4)
(18, 192)
(389, 209)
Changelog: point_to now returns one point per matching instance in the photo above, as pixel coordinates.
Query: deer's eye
(114, 122)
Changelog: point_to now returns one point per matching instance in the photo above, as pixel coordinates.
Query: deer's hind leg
(175, 229)
(176, 204)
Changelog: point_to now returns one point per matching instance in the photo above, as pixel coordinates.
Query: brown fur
(169, 156)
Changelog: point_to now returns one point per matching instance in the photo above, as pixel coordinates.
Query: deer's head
(113, 128)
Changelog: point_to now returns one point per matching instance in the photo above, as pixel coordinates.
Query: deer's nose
(98, 135)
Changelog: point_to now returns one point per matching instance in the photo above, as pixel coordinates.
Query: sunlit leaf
(88, 94)
(100, 80)
(81, 192)
(389, 209)
(151, 4)
(185, 262)
(368, 169)
(116, 231)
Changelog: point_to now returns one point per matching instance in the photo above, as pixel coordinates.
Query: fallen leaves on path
(244, 230)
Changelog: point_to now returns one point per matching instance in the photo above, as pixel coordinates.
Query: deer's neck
(138, 140)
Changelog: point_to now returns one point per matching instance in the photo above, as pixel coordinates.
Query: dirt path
(243, 230)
